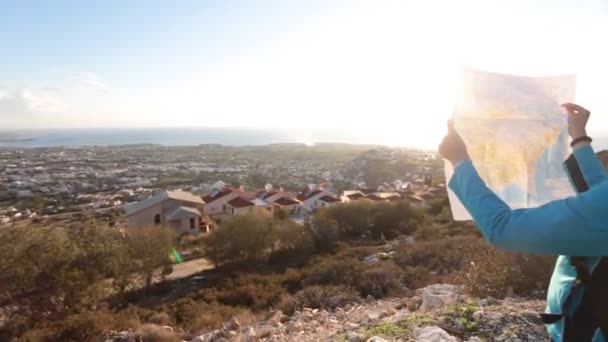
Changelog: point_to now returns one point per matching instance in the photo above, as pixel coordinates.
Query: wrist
(457, 161)
(578, 133)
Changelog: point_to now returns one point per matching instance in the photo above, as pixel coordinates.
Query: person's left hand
(453, 147)
(577, 120)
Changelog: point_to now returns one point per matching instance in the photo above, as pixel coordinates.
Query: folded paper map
(516, 135)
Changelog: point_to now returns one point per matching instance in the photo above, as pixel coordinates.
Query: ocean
(198, 136)
(179, 137)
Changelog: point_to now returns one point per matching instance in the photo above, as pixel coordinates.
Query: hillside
(436, 313)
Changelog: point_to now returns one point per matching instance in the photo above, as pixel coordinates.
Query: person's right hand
(577, 120)
(452, 147)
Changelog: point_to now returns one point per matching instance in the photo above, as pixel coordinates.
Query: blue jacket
(575, 226)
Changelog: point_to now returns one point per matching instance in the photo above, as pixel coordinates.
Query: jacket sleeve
(591, 167)
(575, 226)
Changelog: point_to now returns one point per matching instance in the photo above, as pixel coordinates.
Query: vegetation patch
(400, 329)
(460, 316)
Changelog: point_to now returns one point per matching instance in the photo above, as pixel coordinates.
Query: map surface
(516, 135)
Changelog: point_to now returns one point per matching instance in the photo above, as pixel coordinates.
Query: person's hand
(452, 147)
(577, 120)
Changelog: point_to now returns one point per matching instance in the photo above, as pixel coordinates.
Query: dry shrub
(380, 280)
(496, 273)
(286, 304)
(203, 316)
(441, 256)
(160, 318)
(88, 326)
(325, 297)
(255, 291)
(332, 270)
(155, 333)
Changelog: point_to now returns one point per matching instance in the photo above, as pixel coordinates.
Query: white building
(179, 210)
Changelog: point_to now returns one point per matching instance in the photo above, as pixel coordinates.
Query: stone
(351, 326)
(374, 258)
(413, 303)
(371, 317)
(376, 339)
(438, 296)
(250, 335)
(293, 327)
(233, 324)
(432, 334)
(264, 331)
(352, 336)
(509, 301)
(276, 319)
(477, 315)
(531, 315)
(474, 339)
(389, 312)
(491, 301)
(201, 338)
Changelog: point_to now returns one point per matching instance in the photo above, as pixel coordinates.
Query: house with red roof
(312, 200)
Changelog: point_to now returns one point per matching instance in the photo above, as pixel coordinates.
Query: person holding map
(575, 228)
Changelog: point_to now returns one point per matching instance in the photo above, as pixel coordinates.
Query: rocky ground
(437, 313)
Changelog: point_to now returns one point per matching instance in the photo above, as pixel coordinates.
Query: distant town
(207, 183)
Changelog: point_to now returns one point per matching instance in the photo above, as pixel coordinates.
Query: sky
(356, 66)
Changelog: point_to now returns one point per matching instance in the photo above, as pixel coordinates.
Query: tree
(149, 249)
(393, 218)
(47, 271)
(248, 237)
(325, 231)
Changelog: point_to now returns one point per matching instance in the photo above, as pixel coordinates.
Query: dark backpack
(581, 324)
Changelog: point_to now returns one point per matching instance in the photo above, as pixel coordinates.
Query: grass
(402, 328)
(461, 316)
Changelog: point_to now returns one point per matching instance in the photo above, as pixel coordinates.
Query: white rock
(371, 316)
(474, 339)
(233, 324)
(371, 259)
(203, 338)
(432, 334)
(376, 339)
(438, 296)
(250, 335)
(477, 315)
(351, 325)
(276, 318)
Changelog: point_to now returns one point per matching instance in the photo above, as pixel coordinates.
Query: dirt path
(189, 268)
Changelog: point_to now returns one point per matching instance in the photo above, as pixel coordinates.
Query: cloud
(89, 79)
(86, 79)
(27, 106)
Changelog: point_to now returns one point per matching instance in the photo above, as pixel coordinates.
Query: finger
(579, 109)
(568, 107)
